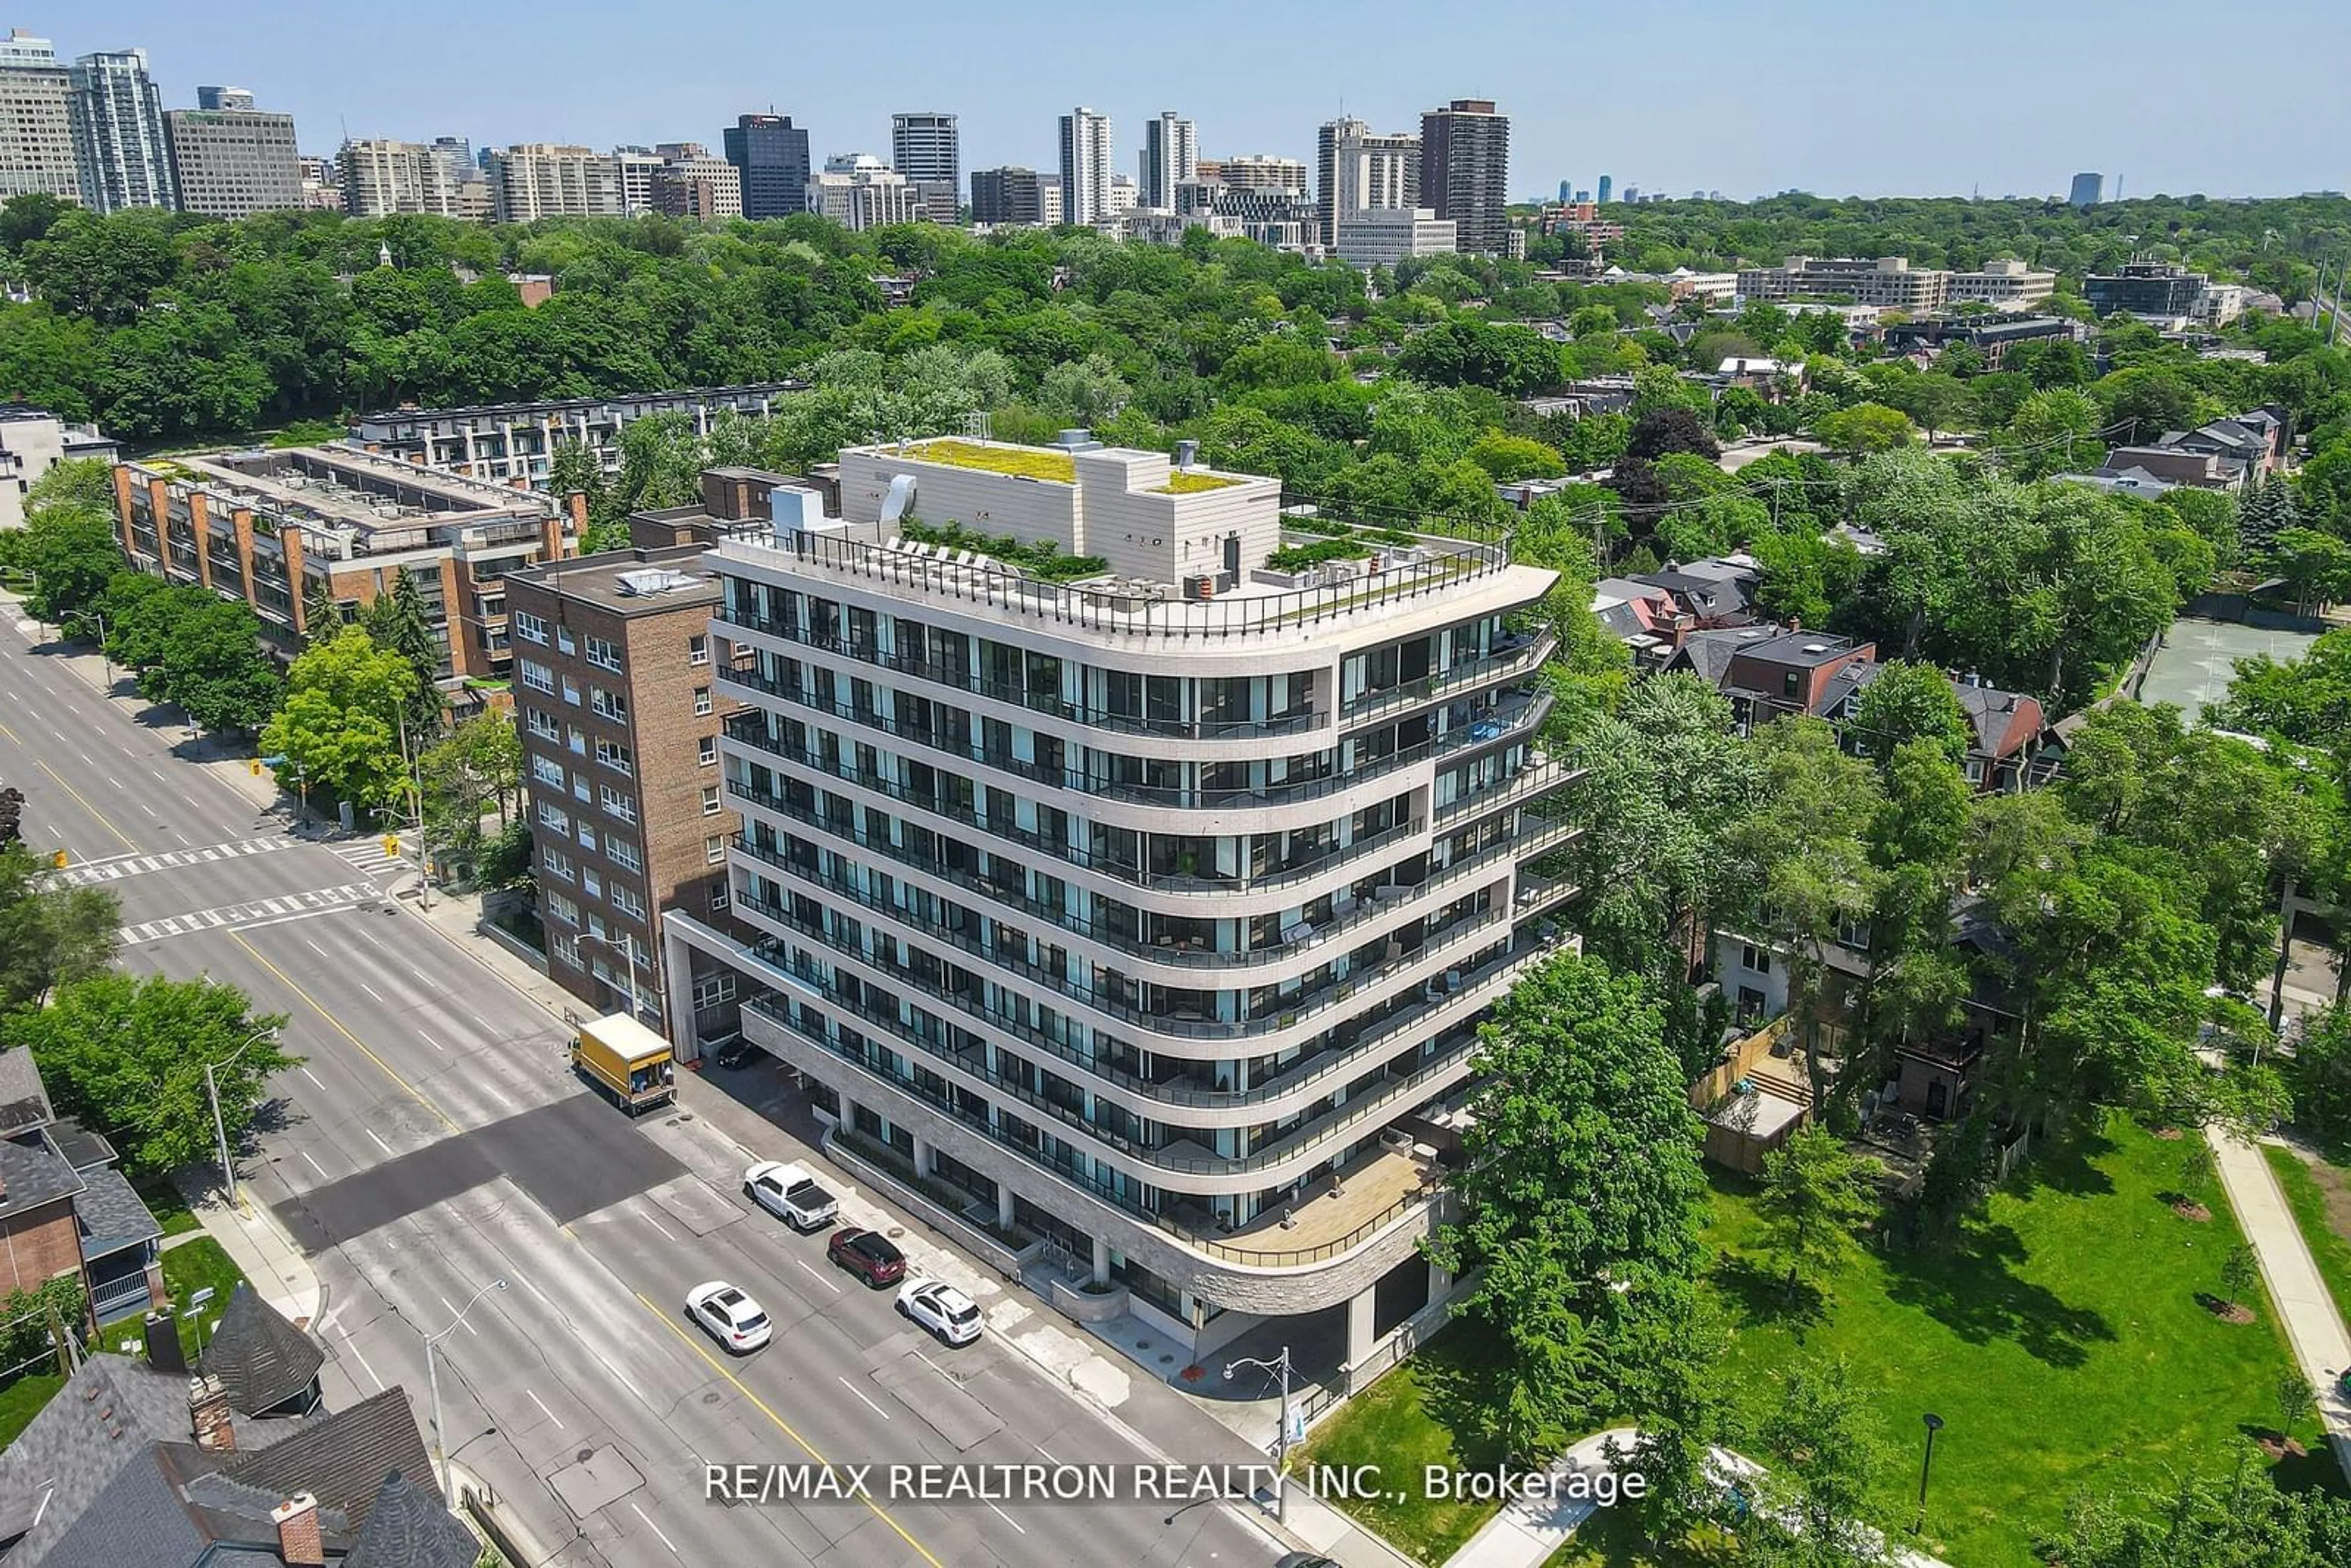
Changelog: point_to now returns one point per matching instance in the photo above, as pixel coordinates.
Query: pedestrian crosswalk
(259, 912)
(97, 873)
(366, 856)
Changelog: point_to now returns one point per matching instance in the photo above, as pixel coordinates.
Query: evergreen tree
(396, 622)
(322, 617)
(2262, 516)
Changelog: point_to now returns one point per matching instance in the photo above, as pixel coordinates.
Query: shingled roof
(408, 1527)
(341, 1459)
(262, 1360)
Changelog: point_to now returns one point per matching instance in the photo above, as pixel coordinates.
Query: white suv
(941, 1309)
(729, 1316)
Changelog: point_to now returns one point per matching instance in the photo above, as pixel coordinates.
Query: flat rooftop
(341, 486)
(630, 582)
(580, 405)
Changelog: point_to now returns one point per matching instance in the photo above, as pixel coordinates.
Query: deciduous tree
(1816, 1196)
(49, 932)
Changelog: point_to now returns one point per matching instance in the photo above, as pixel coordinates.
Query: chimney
(298, 1543)
(1795, 623)
(164, 1352)
(208, 1416)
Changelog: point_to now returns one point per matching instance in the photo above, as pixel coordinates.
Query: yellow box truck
(628, 1063)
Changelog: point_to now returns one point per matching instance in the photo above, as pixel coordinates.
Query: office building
(1891, 283)
(1157, 912)
(1049, 199)
(1606, 185)
(928, 149)
(2158, 290)
(1171, 155)
(770, 155)
(118, 131)
(1465, 173)
(36, 133)
(1011, 194)
(2088, 191)
(322, 188)
(618, 708)
(269, 527)
(511, 442)
(1085, 167)
(1257, 172)
(230, 159)
(858, 191)
(32, 442)
(690, 184)
(1124, 197)
(1356, 170)
(380, 177)
(637, 166)
(534, 180)
(1382, 236)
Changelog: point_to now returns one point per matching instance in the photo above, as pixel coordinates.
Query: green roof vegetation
(1298, 557)
(1043, 559)
(1023, 462)
(1185, 483)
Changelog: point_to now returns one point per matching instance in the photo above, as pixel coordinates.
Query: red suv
(868, 1255)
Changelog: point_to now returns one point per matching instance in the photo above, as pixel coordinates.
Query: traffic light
(392, 846)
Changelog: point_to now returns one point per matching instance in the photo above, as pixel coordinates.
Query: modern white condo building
(1129, 869)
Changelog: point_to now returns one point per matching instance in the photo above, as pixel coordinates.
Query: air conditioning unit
(1397, 1140)
(1200, 587)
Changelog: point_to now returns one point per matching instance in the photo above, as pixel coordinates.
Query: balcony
(1511, 718)
(1379, 1188)
(1523, 657)
(1520, 787)
(1297, 721)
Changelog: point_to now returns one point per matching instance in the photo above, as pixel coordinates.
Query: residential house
(136, 1461)
(2233, 454)
(65, 1210)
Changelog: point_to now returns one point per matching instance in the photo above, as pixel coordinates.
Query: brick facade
(39, 1245)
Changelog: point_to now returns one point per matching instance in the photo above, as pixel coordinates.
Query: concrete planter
(1071, 1302)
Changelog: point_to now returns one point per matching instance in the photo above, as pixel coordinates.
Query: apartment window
(1758, 959)
(556, 864)
(534, 675)
(702, 702)
(623, 854)
(580, 785)
(605, 654)
(570, 691)
(619, 805)
(617, 757)
(1791, 685)
(562, 909)
(587, 834)
(564, 642)
(710, 800)
(706, 750)
(697, 649)
(609, 705)
(626, 901)
(714, 850)
(713, 990)
(720, 900)
(546, 771)
(592, 881)
(530, 628)
(554, 819)
(577, 740)
(567, 951)
(542, 724)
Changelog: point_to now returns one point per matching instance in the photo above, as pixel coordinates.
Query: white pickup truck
(790, 1194)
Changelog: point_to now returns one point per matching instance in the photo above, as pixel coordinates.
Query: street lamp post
(627, 947)
(1280, 1365)
(433, 1374)
(1925, 1464)
(105, 660)
(220, 1127)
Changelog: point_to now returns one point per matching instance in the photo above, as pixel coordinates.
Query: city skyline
(667, 86)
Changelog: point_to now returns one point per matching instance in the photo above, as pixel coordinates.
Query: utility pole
(413, 773)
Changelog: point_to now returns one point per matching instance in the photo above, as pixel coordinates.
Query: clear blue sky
(1833, 96)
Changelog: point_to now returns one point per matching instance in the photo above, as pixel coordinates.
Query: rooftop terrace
(329, 490)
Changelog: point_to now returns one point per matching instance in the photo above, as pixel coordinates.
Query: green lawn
(2060, 1338)
(2307, 1190)
(187, 1269)
(22, 1400)
(170, 1209)
(1612, 1538)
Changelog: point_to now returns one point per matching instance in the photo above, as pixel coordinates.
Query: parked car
(736, 1052)
(868, 1255)
(729, 1316)
(939, 1307)
(792, 1195)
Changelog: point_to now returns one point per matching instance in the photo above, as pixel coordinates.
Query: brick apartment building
(618, 708)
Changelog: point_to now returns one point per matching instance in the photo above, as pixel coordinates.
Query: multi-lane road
(432, 1140)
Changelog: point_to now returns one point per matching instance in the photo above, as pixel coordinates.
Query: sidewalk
(267, 1256)
(2313, 1324)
